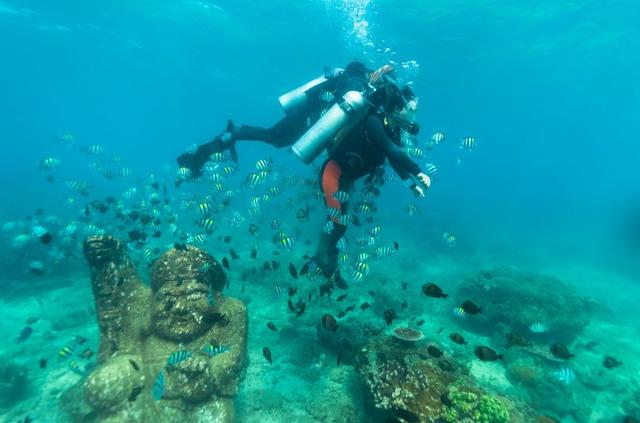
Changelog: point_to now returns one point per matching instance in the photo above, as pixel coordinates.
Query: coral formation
(408, 334)
(406, 384)
(540, 298)
(140, 328)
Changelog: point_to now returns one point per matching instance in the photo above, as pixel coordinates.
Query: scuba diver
(358, 116)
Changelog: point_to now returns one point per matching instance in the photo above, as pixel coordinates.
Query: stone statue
(172, 352)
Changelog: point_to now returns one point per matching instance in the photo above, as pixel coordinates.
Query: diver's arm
(379, 138)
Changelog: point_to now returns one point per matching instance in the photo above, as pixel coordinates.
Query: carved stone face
(179, 310)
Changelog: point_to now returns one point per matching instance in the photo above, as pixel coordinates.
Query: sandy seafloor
(304, 384)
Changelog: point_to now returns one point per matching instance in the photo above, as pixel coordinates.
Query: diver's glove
(418, 184)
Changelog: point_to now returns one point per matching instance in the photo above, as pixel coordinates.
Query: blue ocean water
(549, 89)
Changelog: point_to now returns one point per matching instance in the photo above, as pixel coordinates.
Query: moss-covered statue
(175, 352)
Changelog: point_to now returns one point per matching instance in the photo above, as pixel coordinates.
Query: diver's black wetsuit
(286, 131)
(363, 151)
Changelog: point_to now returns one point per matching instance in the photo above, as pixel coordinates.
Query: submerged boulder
(517, 299)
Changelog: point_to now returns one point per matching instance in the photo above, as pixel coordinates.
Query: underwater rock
(183, 312)
(14, 382)
(518, 299)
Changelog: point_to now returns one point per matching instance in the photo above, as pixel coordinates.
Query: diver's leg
(333, 180)
(282, 134)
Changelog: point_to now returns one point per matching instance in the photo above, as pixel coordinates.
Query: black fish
(457, 338)
(389, 316)
(350, 308)
(266, 265)
(445, 365)
(275, 265)
(341, 314)
(292, 271)
(25, 333)
(420, 322)
(396, 245)
(560, 351)
(180, 247)
(329, 322)
(433, 290)
(46, 238)
(254, 252)
(253, 228)
(42, 363)
(134, 365)
(157, 234)
(372, 293)
(305, 268)
(487, 354)
(225, 262)
(364, 306)
(341, 297)
(434, 351)
(470, 308)
(272, 326)
(234, 255)
(227, 239)
(135, 392)
(338, 359)
(513, 339)
(404, 286)
(266, 352)
(610, 362)
(404, 305)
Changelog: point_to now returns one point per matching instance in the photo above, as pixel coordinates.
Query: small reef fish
(292, 271)
(434, 351)
(513, 339)
(25, 333)
(470, 308)
(66, 351)
(487, 354)
(389, 316)
(178, 357)
(212, 350)
(272, 326)
(157, 391)
(565, 375)
(467, 143)
(266, 352)
(610, 362)
(538, 328)
(457, 338)
(433, 290)
(560, 351)
(329, 322)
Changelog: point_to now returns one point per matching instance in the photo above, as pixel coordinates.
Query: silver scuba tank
(298, 96)
(340, 118)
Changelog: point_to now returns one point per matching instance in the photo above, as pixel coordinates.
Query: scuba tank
(339, 119)
(298, 96)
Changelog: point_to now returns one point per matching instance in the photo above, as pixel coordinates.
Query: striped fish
(344, 220)
(66, 351)
(375, 231)
(263, 164)
(362, 267)
(287, 242)
(49, 163)
(538, 328)
(183, 172)
(94, 150)
(212, 350)
(328, 227)
(281, 291)
(333, 212)
(343, 258)
(341, 244)
(217, 157)
(459, 312)
(437, 138)
(341, 196)
(449, 239)
(178, 357)
(565, 375)
(204, 208)
(467, 143)
(76, 368)
(384, 251)
(357, 276)
(207, 224)
(157, 391)
(431, 170)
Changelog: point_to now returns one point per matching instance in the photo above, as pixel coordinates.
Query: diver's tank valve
(340, 118)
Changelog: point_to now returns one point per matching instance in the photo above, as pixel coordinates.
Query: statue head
(185, 283)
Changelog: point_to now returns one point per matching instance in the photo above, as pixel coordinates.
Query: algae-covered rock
(183, 327)
(517, 299)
